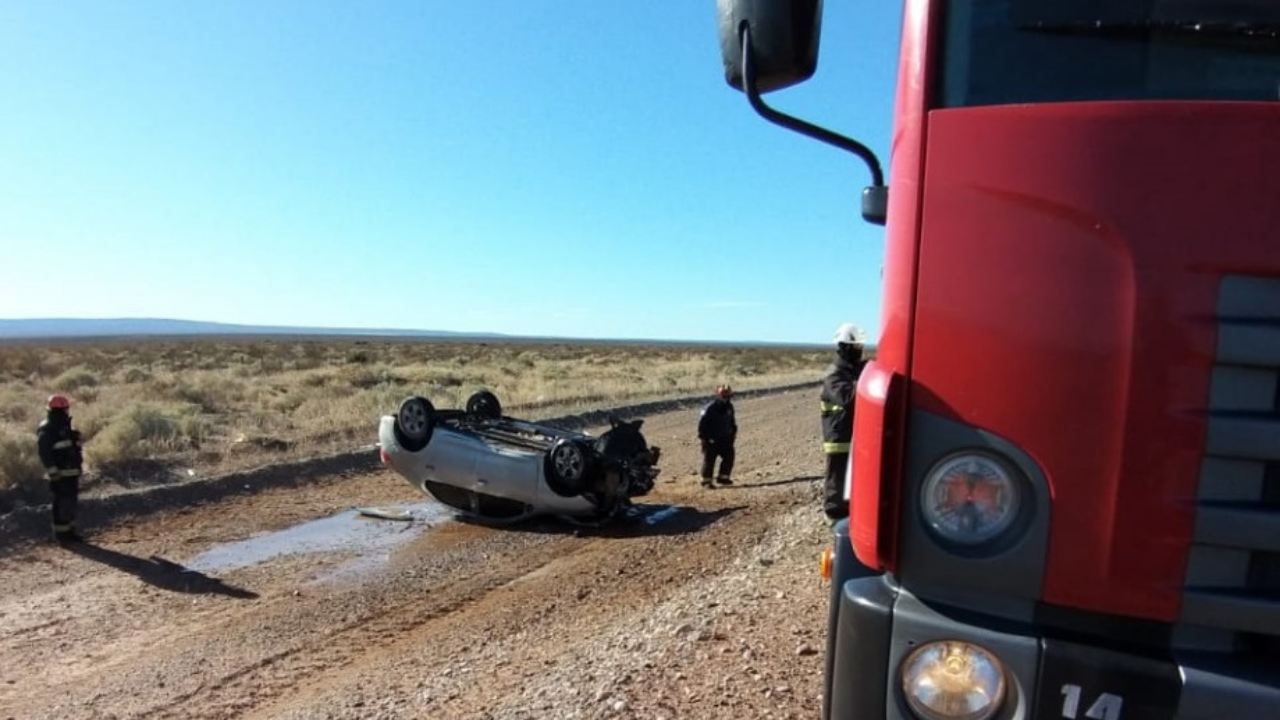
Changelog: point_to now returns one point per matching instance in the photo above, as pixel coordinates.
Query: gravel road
(710, 606)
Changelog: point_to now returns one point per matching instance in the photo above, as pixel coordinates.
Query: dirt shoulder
(713, 609)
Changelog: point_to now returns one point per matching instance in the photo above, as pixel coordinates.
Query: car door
(450, 458)
(508, 472)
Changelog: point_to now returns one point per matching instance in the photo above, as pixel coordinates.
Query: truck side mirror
(770, 44)
(784, 36)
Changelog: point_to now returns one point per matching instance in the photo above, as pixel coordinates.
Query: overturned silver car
(500, 469)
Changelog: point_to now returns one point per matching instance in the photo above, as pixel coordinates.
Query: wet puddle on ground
(656, 516)
(350, 531)
(370, 534)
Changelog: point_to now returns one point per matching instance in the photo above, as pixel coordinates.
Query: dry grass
(214, 406)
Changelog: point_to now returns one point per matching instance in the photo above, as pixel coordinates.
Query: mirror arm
(877, 191)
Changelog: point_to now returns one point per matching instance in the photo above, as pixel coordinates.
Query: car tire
(484, 405)
(415, 423)
(567, 467)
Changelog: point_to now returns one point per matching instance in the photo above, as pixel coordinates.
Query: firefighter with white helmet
(59, 446)
(837, 397)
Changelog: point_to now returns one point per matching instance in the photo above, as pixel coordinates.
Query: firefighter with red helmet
(717, 432)
(838, 390)
(62, 457)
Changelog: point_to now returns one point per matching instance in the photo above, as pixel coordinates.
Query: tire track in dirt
(69, 616)
(484, 661)
(311, 632)
(567, 599)
(272, 676)
(500, 593)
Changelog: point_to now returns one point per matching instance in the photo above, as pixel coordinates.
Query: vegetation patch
(203, 406)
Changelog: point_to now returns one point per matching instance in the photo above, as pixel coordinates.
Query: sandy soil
(712, 610)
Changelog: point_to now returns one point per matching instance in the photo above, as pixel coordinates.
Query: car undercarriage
(496, 468)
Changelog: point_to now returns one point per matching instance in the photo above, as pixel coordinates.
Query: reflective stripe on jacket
(836, 403)
(59, 448)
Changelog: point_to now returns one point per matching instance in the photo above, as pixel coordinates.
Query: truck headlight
(970, 498)
(952, 680)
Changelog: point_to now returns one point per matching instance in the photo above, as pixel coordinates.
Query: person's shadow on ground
(638, 520)
(768, 483)
(160, 573)
(647, 520)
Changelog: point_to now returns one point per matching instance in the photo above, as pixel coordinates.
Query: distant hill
(74, 329)
(52, 328)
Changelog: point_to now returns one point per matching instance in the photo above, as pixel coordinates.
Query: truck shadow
(160, 573)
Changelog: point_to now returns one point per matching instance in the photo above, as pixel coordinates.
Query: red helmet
(59, 402)
(724, 391)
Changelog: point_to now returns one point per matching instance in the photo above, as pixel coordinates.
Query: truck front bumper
(878, 623)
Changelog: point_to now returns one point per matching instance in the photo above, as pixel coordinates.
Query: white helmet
(849, 334)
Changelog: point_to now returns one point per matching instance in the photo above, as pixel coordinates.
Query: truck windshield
(1034, 51)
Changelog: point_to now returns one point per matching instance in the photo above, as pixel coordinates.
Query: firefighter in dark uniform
(717, 432)
(838, 390)
(61, 455)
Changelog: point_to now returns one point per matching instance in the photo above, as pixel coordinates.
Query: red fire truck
(1065, 495)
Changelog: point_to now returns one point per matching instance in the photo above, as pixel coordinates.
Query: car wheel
(484, 405)
(566, 468)
(415, 422)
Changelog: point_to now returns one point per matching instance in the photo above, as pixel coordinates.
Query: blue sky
(570, 168)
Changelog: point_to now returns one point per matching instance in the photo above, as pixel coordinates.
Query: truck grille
(1231, 596)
